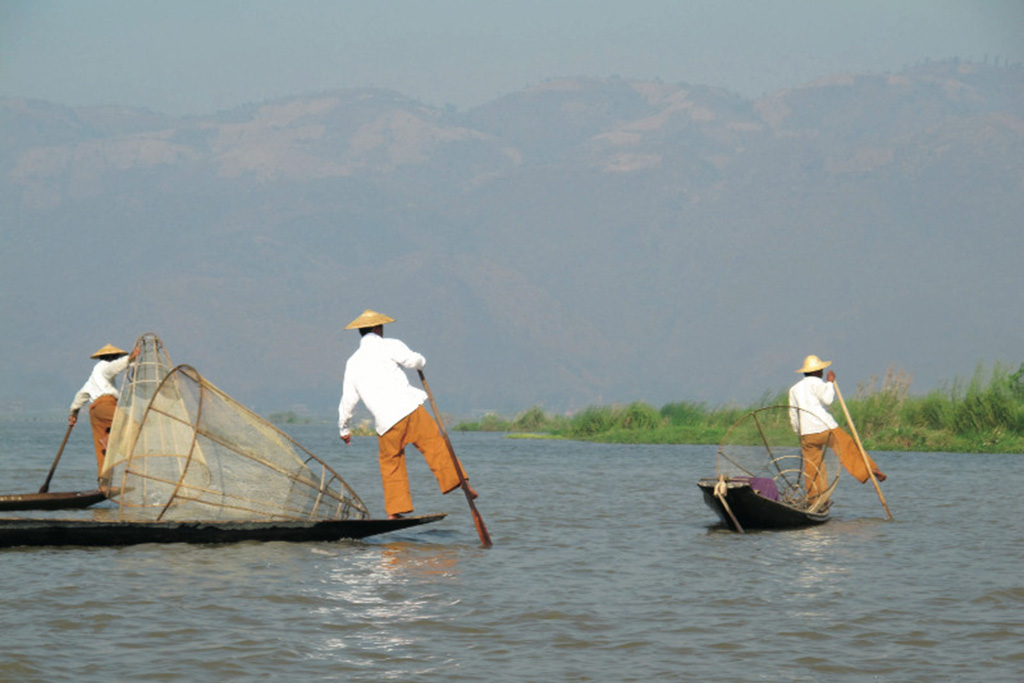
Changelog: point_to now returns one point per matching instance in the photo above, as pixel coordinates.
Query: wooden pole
(863, 453)
(46, 484)
(481, 529)
(722, 492)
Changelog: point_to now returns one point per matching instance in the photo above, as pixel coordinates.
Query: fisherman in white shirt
(375, 375)
(809, 399)
(99, 390)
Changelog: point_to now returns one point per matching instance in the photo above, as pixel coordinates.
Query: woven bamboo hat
(109, 350)
(813, 364)
(369, 319)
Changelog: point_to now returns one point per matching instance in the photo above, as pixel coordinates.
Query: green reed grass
(983, 414)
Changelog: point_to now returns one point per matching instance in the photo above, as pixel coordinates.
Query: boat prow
(57, 500)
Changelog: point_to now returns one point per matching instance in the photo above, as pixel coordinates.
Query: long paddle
(481, 530)
(46, 484)
(863, 453)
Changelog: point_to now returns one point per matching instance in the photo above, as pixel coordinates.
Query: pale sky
(203, 56)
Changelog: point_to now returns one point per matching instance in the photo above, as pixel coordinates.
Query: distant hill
(583, 241)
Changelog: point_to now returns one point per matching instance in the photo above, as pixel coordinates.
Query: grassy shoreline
(982, 415)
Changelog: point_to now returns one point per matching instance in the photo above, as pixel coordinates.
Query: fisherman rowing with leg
(375, 374)
(818, 429)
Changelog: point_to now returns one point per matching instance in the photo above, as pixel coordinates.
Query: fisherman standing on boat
(817, 429)
(374, 374)
(99, 390)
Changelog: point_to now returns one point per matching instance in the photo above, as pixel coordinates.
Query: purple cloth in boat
(763, 487)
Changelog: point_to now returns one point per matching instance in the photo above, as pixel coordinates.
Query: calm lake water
(607, 566)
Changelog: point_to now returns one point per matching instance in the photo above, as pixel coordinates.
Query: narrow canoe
(754, 511)
(57, 500)
(89, 532)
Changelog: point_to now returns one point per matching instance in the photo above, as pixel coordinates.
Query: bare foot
(472, 492)
(880, 476)
(396, 516)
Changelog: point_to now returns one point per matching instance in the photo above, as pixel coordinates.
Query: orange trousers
(419, 429)
(812, 448)
(101, 416)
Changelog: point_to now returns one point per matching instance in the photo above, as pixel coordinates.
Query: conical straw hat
(369, 319)
(109, 350)
(813, 364)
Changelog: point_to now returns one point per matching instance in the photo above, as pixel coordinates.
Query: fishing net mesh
(142, 378)
(764, 444)
(181, 449)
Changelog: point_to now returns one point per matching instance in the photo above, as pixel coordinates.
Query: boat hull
(58, 500)
(753, 511)
(73, 532)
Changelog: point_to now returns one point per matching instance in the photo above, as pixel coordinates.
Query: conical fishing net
(183, 450)
(142, 378)
(764, 445)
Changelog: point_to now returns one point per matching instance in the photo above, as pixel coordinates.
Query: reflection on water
(814, 570)
(374, 609)
(607, 566)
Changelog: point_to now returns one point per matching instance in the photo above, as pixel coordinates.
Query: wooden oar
(722, 492)
(46, 484)
(481, 530)
(863, 453)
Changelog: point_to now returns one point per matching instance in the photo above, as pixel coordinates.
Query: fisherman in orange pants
(100, 392)
(818, 429)
(375, 375)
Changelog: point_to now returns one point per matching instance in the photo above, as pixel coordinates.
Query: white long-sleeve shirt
(100, 382)
(374, 375)
(812, 395)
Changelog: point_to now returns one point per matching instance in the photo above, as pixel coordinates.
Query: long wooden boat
(90, 532)
(56, 500)
(740, 507)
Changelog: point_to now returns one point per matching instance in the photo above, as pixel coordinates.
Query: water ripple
(607, 567)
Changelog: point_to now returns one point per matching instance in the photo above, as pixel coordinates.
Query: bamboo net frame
(185, 450)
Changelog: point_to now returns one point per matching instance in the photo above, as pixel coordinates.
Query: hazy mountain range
(582, 241)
